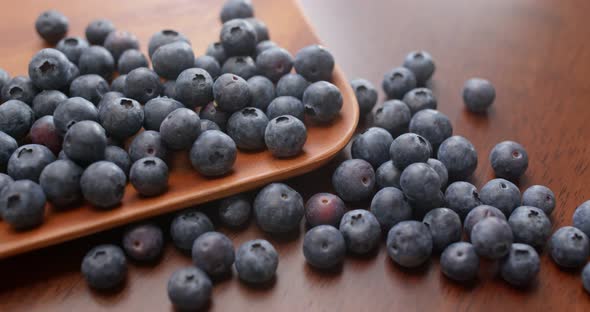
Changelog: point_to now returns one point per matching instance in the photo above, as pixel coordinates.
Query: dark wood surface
(535, 52)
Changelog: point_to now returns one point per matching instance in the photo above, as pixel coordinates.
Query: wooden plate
(199, 21)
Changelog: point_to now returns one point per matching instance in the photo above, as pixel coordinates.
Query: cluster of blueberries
(66, 135)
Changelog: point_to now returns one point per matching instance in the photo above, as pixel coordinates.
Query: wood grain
(536, 54)
(186, 186)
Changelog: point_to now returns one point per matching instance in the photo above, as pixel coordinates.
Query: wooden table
(535, 52)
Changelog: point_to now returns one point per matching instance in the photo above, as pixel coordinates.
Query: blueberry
(387, 175)
(170, 89)
(361, 231)
(462, 197)
(581, 218)
(16, 118)
(262, 91)
(286, 105)
(28, 161)
(260, 28)
(118, 41)
(189, 289)
(421, 206)
(121, 117)
(397, 82)
(354, 180)
(156, 110)
(213, 153)
(324, 247)
(147, 144)
(109, 97)
(479, 213)
(292, 85)
(366, 94)
(143, 242)
(256, 261)
(372, 146)
(85, 142)
(60, 181)
(187, 226)
(285, 136)
(104, 267)
(445, 227)
(421, 64)
(149, 176)
(238, 37)
(213, 113)
(441, 170)
(409, 148)
(118, 84)
(98, 30)
(478, 95)
(420, 181)
(569, 247)
(278, 208)
(119, 157)
(409, 244)
(390, 207)
(509, 160)
(419, 99)
(46, 102)
(217, 51)
(236, 9)
(521, 266)
(49, 69)
(4, 181)
(130, 60)
(460, 262)
(72, 48)
(180, 129)
(274, 63)
(530, 226)
(586, 277)
(234, 211)
(501, 194)
(213, 252)
(194, 87)
(209, 64)
(7, 147)
(323, 101)
(91, 87)
(393, 116)
(43, 132)
(263, 45)
(97, 60)
(246, 127)
(243, 66)
(539, 196)
(143, 84)
(62, 156)
(164, 37)
(208, 125)
(432, 125)
(459, 156)
(52, 25)
(19, 88)
(314, 63)
(103, 184)
(231, 93)
(492, 238)
(324, 208)
(171, 59)
(22, 204)
(73, 110)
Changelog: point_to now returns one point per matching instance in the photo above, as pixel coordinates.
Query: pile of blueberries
(408, 164)
(66, 135)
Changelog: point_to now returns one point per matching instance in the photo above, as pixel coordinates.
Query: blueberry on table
(433, 125)
(180, 129)
(72, 111)
(373, 146)
(354, 180)
(393, 116)
(213, 153)
(97, 31)
(278, 208)
(121, 117)
(217, 51)
(97, 60)
(147, 144)
(397, 82)
(173, 58)
(156, 110)
(104, 267)
(509, 160)
(28, 161)
(233, 9)
(194, 87)
(130, 60)
(422, 205)
(262, 91)
(314, 63)
(234, 211)
(209, 125)
(7, 146)
(409, 148)
(521, 266)
(462, 197)
(72, 48)
(445, 227)
(569, 247)
(323, 101)
(390, 207)
(91, 87)
(420, 181)
(46, 102)
(387, 175)
(441, 170)
(274, 63)
(324, 247)
(52, 25)
(143, 84)
(324, 208)
(478, 95)
(118, 84)
(187, 226)
(60, 181)
(22, 204)
(231, 93)
(246, 127)
(285, 136)
(103, 184)
(492, 238)
(460, 262)
(213, 253)
(292, 85)
(164, 37)
(419, 99)
(189, 289)
(16, 118)
(409, 244)
(586, 277)
(361, 231)
(479, 213)
(19, 88)
(459, 156)
(539, 196)
(49, 69)
(118, 41)
(149, 176)
(85, 142)
(421, 64)
(243, 66)
(212, 112)
(264, 45)
(530, 226)
(143, 242)
(4, 181)
(260, 28)
(210, 64)
(501, 194)
(119, 157)
(286, 105)
(366, 94)
(256, 261)
(581, 218)
(238, 37)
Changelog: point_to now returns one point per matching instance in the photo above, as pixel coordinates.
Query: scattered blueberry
(187, 226)
(285, 136)
(260, 28)
(194, 87)
(539, 196)
(462, 197)
(420, 182)
(164, 37)
(581, 218)
(22, 204)
(213, 253)
(354, 180)
(397, 82)
(478, 95)
(460, 262)
(173, 58)
(7, 147)
(256, 261)
(46, 102)
(130, 60)
(246, 127)
(121, 117)
(60, 181)
(274, 63)
(243, 66)
(217, 51)
(441, 170)
(143, 84)
(387, 175)
(213, 153)
(119, 157)
(180, 129)
(569, 247)
(521, 266)
(104, 267)
(459, 156)
(19, 88)
(147, 144)
(409, 148)
(156, 110)
(238, 37)
(479, 213)
(509, 160)
(213, 113)
(97, 60)
(233, 9)
(292, 85)
(501, 194)
(91, 87)
(98, 30)
(586, 277)
(118, 41)
(51, 25)
(419, 99)
(372, 146)
(209, 64)
(422, 205)
(433, 125)
(314, 63)
(264, 45)
(72, 111)
(366, 94)
(49, 69)
(85, 142)
(103, 184)
(390, 207)
(393, 116)
(189, 289)
(262, 91)
(72, 48)
(149, 176)
(492, 238)
(530, 226)
(324, 208)
(28, 161)
(324, 247)
(143, 242)
(118, 84)
(409, 244)
(286, 105)
(323, 101)
(234, 211)
(231, 93)
(421, 64)
(445, 227)
(361, 231)
(208, 125)
(4, 181)
(45, 133)
(278, 208)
